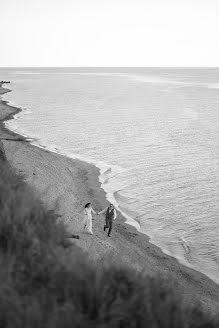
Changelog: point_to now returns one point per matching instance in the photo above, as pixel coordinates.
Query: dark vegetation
(47, 282)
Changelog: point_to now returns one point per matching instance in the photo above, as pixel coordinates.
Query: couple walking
(110, 215)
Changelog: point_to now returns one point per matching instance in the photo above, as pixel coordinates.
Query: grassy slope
(43, 285)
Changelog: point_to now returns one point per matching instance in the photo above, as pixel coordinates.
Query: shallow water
(153, 132)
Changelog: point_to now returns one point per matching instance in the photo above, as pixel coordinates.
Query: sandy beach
(66, 184)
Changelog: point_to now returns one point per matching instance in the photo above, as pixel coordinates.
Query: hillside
(46, 281)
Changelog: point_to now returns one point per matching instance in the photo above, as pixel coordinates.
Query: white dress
(87, 224)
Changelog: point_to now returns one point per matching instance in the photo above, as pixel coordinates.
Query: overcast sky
(109, 32)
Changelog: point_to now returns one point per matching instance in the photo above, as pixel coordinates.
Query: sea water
(154, 133)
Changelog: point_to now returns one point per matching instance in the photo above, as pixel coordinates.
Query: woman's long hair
(87, 205)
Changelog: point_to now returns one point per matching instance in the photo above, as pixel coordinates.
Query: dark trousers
(109, 225)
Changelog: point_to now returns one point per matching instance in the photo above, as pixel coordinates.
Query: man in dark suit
(110, 212)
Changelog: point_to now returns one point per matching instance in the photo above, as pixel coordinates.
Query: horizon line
(5, 67)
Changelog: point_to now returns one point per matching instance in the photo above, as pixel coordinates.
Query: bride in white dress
(87, 224)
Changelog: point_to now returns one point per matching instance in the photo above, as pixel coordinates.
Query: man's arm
(103, 211)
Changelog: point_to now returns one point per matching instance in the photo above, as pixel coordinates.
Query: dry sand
(66, 185)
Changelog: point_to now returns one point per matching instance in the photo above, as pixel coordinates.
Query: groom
(110, 217)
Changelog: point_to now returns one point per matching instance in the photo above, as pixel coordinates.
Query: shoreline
(123, 218)
(52, 184)
(110, 198)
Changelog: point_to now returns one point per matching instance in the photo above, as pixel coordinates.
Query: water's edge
(102, 168)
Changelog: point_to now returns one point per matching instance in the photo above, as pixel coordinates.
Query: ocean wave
(27, 73)
(185, 245)
(135, 77)
(211, 85)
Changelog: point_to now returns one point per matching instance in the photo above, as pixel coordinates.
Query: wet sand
(66, 184)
